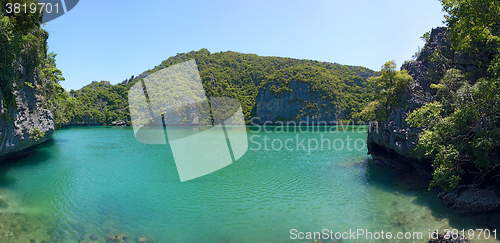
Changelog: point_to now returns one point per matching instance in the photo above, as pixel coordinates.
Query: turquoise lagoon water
(100, 181)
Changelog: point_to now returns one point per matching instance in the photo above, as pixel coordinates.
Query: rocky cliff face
(23, 128)
(394, 137)
(302, 105)
(28, 78)
(393, 142)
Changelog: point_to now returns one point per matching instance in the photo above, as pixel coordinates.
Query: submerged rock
(395, 135)
(471, 200)
(328, 241)
(119, 123)
(142, 239)
(117, 238)
(402, 219)
(3, 203)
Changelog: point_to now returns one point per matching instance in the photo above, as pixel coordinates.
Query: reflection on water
(97, 184)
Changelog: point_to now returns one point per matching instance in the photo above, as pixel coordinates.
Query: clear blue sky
(112, 40)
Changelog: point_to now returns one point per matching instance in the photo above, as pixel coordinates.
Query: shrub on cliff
(475, 29)
(461, 129)
(389, 88)
(25, 62)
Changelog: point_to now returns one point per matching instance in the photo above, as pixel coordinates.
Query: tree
(475, 28)
(389, 88)
(460, 130)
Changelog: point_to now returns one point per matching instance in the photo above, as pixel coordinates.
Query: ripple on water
(100, 182)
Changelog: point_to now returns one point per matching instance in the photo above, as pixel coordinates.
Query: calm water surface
(101, 181)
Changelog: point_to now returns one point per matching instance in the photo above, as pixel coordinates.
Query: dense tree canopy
(389, 88)
(475, 29)
(461, 129)
(239, 76)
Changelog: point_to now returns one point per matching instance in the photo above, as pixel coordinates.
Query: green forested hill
(231, 74)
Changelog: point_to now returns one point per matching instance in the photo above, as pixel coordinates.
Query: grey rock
(471, 200)
(17, 126)
(119, 123)
(292, 106)
(87, 121)
(29, 123)
(393, 141)
(395, 135)
(3, 203)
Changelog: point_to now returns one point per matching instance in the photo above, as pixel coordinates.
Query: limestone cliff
(25, 127)
(393, 142)
(303, 105)
(394, 136)
(28, 77)
(286, 97)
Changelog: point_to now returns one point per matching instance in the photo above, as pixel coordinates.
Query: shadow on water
(392, 181)
(38, 155)
(53, 141)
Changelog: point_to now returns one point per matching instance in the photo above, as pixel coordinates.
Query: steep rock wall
(393, 142)
(25, 127)
(302, 105)
(394, 136)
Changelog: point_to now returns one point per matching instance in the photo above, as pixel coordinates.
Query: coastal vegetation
(234, 75)
(460, 126)
(388, 92)
(103, 185)
(229, 74)
(26, 63)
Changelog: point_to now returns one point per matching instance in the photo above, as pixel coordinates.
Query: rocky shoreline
(393, 142)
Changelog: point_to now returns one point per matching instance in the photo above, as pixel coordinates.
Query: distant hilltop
(271, 88)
